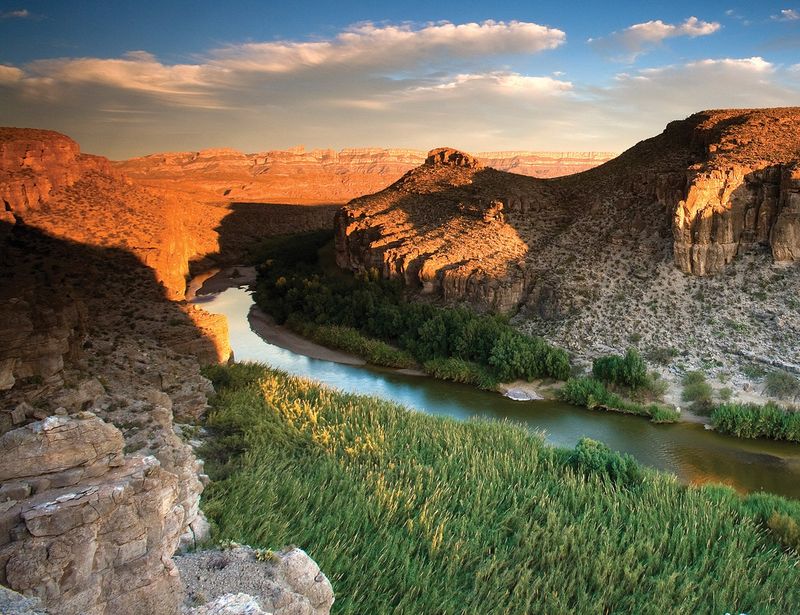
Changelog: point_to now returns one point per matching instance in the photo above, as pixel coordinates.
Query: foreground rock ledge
(242, 580)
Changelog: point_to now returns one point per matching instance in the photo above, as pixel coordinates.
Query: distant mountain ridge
(315, 176)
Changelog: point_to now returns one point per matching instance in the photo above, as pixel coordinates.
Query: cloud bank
(380, 85)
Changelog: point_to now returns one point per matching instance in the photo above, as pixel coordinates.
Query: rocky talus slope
(687, 242)
(319, 176)
(100, 384)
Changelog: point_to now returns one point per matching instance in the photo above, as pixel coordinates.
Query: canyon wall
(320, 176)
(100, 384)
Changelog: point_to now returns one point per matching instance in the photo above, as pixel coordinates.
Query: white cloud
(498, 82)
(626, 45)
(787, 15)
(254, 67)
(17, 14)
(371, 45)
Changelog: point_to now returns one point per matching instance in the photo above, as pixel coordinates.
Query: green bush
(352, 341)
(459, 370)
(628, 370)
(786, 529)
(782, 385)
(595, 458)
(697, 391)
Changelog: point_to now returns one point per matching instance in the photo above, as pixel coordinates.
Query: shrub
(662, 356)
(785, 529)
(593, 394)
(697, 391)
(594, 458)
(725, 394)
(628, 370)
(782, 385)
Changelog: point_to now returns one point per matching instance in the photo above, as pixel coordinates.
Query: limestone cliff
(319, 176)
(33, 163)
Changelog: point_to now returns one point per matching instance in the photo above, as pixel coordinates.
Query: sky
(130, 78)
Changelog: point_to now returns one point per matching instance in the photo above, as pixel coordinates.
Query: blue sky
(127, 78)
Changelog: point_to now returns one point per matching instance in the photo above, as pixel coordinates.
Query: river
(695, 454)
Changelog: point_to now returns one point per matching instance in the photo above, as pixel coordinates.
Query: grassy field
(410, 513)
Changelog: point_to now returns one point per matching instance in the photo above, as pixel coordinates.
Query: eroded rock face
(33, 163)
(705, 189)
(742, 192)
(36, 338)
(86, 529)
(451, 157)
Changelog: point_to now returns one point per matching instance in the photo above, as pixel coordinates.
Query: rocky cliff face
(320, 176)
(741, 191)
(100, 384)
(717, 192)
(33, 163)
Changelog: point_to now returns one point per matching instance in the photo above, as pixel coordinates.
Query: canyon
(100, 383)
(686, 243)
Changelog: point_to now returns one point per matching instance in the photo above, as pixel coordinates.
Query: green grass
(411, 513)
(756, 421)
(353, 341)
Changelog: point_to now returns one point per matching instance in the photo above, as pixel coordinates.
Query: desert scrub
(755, 421)
(412, 513)
(782, 385)
(593, 394)
(697, 391)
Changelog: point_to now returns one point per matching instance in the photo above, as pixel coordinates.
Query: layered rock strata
(711, 186)
(319, 176)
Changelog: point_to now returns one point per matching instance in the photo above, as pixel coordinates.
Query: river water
(696, 455)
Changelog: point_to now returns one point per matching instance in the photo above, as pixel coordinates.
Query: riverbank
(478, 516)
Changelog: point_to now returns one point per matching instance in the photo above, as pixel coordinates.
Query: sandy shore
(264, 326)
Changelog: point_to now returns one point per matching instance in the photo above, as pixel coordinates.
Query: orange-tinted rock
(704, 189)
(319, 176)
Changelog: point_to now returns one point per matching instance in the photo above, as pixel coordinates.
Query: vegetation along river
(696, 455)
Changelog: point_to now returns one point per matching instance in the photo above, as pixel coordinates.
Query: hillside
(318, 176)
(686, 244)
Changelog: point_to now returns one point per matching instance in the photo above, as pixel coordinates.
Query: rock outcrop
(33, 163)
(742, 191)
(319, 176)
(84, 528)
(281, 583)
